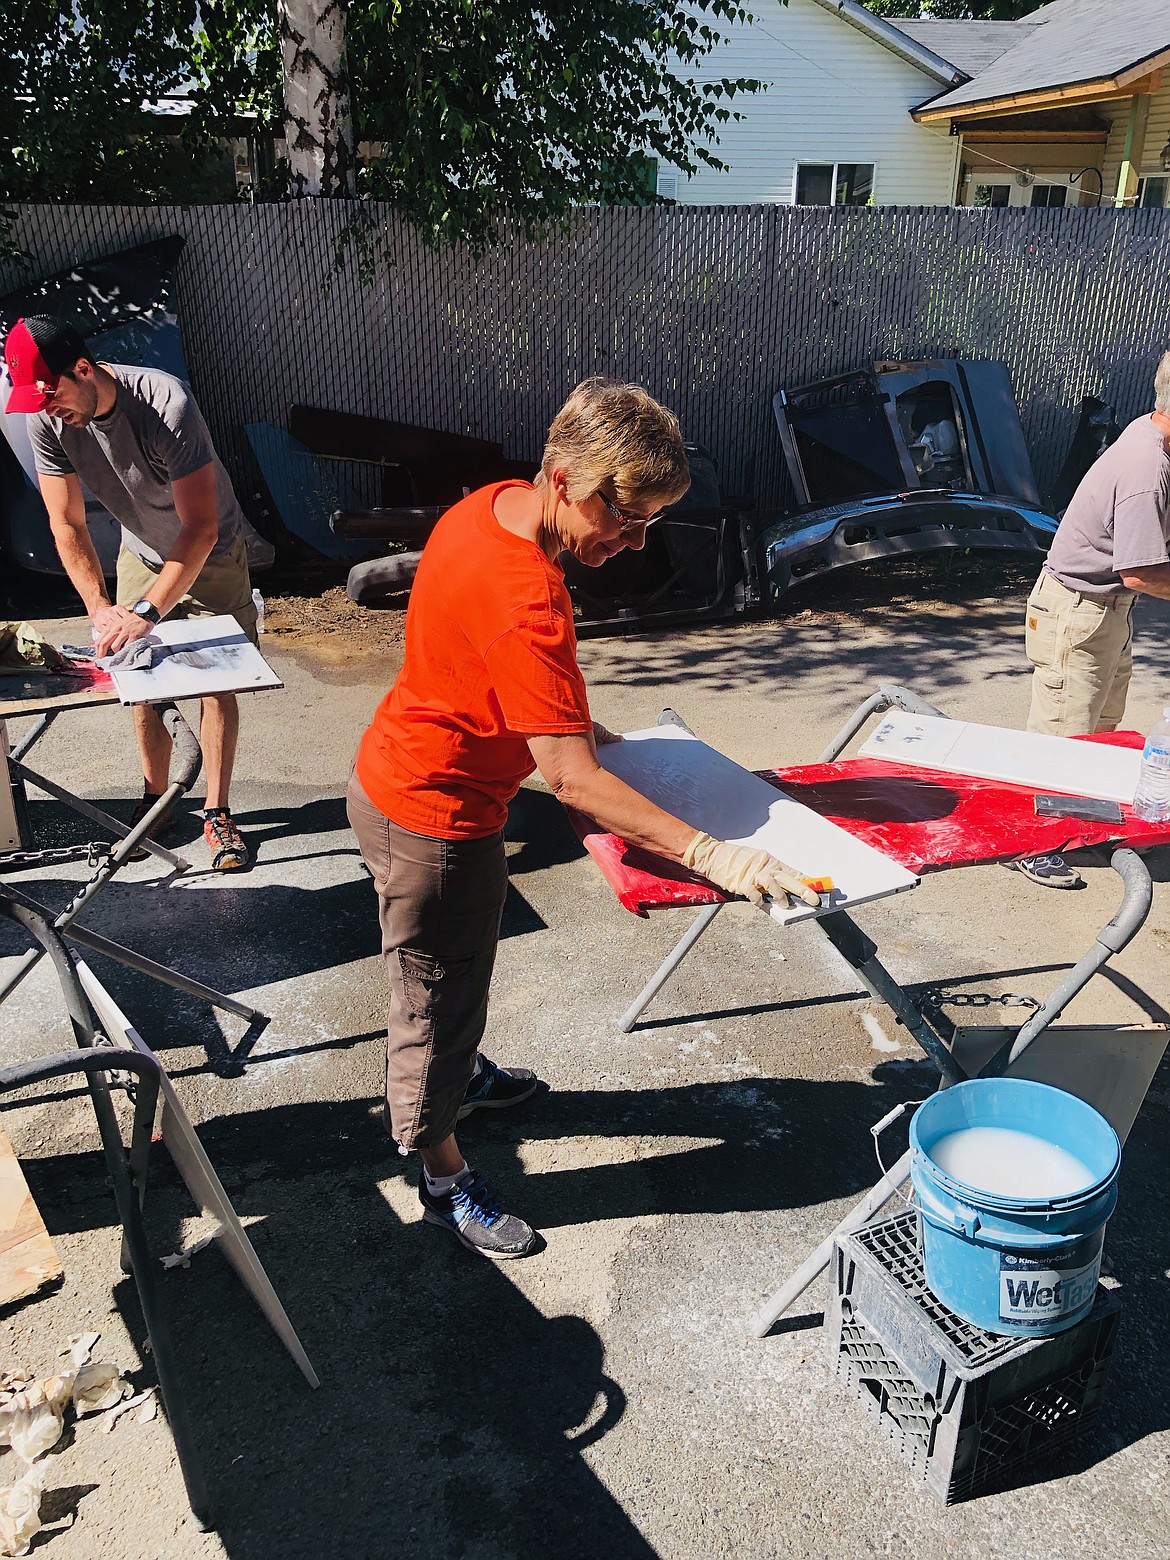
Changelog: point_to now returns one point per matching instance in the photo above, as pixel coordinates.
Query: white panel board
(200, 656)
(1060, 764)
(707, 790)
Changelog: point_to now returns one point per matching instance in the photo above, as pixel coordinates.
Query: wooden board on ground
(709, 791)
(1061, 764)
(200, 657)
(28, 1259)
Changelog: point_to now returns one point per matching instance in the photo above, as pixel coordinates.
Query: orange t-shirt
(491, 659)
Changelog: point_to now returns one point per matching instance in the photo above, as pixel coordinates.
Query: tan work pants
(440, 903)
(1080, 650)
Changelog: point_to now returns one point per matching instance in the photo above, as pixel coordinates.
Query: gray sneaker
(474, 1217)
(1050, 871)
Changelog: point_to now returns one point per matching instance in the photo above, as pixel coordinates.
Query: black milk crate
(965, 1408)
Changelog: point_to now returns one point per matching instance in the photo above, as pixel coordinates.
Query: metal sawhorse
(106, 861)
(933, 1032)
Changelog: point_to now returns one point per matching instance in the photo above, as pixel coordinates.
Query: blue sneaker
(497, 1087)
(474, 1217)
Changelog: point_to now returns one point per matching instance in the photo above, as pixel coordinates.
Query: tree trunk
(318, 126)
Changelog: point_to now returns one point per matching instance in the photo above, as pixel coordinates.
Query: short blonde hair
(1162, 385)
(618, 438)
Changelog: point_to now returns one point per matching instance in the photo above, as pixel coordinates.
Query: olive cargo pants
(440, 904)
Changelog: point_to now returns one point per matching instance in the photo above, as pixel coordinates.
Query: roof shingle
(1067, 42)
(968, 45)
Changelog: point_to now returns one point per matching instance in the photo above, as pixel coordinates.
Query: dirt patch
(332, 631)
(337, 640)
(899, 590)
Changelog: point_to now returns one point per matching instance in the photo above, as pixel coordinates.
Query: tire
(373, 582)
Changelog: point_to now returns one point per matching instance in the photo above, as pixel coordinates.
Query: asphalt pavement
(604, 1397)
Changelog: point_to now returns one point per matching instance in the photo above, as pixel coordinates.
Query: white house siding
(1157, 134)
(834, 95)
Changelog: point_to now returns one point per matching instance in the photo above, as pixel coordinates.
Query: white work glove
(737, 869)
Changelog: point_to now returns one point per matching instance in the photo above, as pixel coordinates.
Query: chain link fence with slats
(712, 308)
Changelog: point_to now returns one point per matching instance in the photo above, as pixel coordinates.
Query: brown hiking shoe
(226, 844)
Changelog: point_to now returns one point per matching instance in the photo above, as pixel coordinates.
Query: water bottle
(258, 603)
(1151, 800)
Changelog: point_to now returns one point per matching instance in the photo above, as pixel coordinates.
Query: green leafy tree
(474, 109)
(955, 10)
(73, 80)
(531, 111)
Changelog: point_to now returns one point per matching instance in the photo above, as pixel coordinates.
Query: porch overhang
(1139, 80)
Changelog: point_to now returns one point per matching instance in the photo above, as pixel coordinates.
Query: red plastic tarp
(926, 819)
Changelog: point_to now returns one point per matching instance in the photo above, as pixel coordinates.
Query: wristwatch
(148, 610)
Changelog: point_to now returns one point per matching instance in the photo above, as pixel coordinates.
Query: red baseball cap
(37, 351)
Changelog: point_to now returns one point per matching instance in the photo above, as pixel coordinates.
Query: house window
(1153, 191)
(1049, 195)
(834, 184)
(991, 194)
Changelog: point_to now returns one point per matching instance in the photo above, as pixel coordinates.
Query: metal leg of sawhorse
(188, 762)
(96, 943)
(668, 966)
(127, 1171)
(858, 951)
(1137, 896)
(888, 696)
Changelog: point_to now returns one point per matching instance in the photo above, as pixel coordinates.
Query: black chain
(939, 999)
(96, 854)
(126, 1081)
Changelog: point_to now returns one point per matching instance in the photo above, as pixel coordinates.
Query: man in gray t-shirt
(1112, 545)
(129, 458)
(137, 440)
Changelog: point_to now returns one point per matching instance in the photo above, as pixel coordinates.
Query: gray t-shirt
(128, 459)
(1119, 517)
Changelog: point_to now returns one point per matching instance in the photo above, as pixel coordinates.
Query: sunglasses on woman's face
(623, 519)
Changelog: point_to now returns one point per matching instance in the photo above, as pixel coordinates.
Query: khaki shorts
(221, 586)
(1080, 650)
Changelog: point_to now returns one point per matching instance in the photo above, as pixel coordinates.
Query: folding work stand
(104, 860)
(127, 1169)
(934, 1033)
(108, 1050)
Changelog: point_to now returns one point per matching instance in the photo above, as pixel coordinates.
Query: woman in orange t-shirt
(489, 691)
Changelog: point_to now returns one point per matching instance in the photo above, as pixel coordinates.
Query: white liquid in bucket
(1010, 1163)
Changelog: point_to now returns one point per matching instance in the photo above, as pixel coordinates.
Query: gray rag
(138, 656)
(143, 654)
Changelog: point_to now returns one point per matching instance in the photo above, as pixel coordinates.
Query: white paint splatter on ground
(877, 1035)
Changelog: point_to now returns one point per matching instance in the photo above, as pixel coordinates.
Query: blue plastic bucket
(1026, 1267)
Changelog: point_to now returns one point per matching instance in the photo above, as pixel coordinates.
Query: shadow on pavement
(239, 933)
(453, 1414)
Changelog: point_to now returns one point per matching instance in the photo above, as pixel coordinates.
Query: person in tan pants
(1112, 545)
